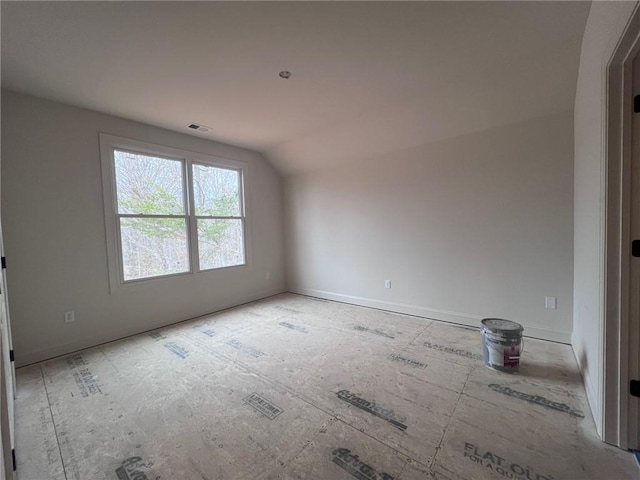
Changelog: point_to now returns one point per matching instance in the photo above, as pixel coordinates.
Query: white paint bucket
(502, 344)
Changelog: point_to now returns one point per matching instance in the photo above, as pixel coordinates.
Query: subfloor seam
(295, 394)
(331, 421)
(444, 430)
(414, 338)
(381, 442)
(53, 422)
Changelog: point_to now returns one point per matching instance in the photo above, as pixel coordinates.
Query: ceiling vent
(198, 127)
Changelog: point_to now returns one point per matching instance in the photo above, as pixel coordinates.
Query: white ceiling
(367, 77)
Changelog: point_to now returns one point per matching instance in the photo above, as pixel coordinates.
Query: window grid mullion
(146, 215)
(193, 222)
(243, 214)
(109, 145)
(241, 193)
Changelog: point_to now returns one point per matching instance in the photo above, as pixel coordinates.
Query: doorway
(7, 380)
(621, 359)
(633, 407)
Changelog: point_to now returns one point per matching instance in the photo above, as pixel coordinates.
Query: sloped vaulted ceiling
(367, 77)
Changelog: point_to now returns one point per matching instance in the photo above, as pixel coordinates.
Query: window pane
(216, 191)
(153, 246)
(148, 185)
(221, 243)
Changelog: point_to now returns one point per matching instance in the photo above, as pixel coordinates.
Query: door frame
(618, 427)
(7, 381)
(6, 454)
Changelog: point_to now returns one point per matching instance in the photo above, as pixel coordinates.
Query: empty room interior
(320, 240)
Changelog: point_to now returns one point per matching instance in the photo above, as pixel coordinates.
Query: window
(170, 212)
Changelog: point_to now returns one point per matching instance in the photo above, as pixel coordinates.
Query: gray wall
(53, 221)
(472, 227)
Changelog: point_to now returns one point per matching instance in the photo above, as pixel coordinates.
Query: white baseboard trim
(429, 313)
(39, 355)
(591, 391)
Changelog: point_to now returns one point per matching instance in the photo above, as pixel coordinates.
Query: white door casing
(7, 379)
(6, 434)
(633, 338)
(8, 367)
(621, 272)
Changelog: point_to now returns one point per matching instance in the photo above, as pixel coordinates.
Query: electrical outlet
(550, 303)
(69, 317)
(387, 284)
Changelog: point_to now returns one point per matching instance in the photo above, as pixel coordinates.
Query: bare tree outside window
(218, 209)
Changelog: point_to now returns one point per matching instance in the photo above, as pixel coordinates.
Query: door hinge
(13, 458)
(11, 357)
(636, 104)
(635, 248)
(4, 262)
(634, 388)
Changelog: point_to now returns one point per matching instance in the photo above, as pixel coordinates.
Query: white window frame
(109, 143)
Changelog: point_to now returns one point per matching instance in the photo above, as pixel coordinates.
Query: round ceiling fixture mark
(285, 74)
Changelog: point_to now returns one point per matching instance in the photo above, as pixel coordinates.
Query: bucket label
(537, 399)
(502, 354)
(511, 356)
